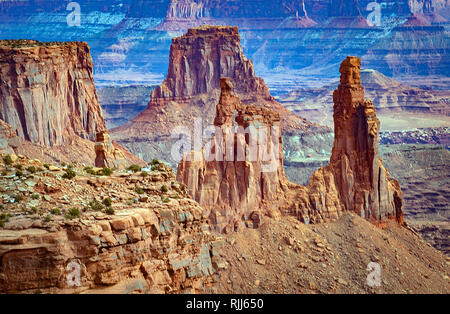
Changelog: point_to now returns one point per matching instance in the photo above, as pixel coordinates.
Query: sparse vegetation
(47, 166)
(105, 172)
(31, 169)
(4, 173)
(107, 202)
(135, 168)
(18, 198)
(69, 174)
(109, 211)
(18, 166)
(19, 173)
(73, 213)
(165, 199)
(7, 160)
(48, 218)
(164, 189)
(55, 211)
(139, 190)
(35, 196)
(96, 205)
(144, 174)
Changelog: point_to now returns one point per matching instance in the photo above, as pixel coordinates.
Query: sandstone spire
(363, 183)
(240, 190)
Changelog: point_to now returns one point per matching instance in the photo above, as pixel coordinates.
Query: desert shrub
(144, 174)
(35, 196)
(164, 189)
(139, 190)
(107, 202)
(4, 173)
(55, 211)
(18, 166)
(109, 211)
(134, 168)
(47, 166)
(69, 174)
(31, 169)
(73, 213)
(48, 218)
(96, 205)
(18, 197)
(105, 171)
(7, 160)
(155, 162)
(19, 173)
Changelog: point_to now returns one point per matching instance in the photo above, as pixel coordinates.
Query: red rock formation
(355, 179)
(230, 181)
(191, 89)
(48, 93)
(48, 98)
(106, 154)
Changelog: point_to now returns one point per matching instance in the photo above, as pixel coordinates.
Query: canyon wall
(49, 101)
(240, 190)
(47, 93)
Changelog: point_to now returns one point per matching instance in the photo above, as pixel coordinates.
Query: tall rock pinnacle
(363, 183)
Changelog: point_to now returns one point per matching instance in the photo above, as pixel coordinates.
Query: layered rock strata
(355, 179)
(48, 99)
(106, 153)
(158, 244)
(47, 92)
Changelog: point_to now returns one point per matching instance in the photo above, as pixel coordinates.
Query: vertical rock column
(361, 179)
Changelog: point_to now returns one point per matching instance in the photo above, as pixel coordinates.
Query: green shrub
(107, 202)
(18, 166)
(47, 166)
(69, 174)
(35, 196)
(18, 198)
(155, 162)
(55, 211)
(19, 173)
(144, 174)
(134, 168)
(105, 172)
(31, 169)
(7, 160)
(139, 190)
(4, 173)
(48, 218)
(155, 168)
(95, 205)
(73, 213)
(109, 211)
(164, 189)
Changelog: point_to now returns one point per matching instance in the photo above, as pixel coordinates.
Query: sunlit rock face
(238, 191)
(48, 93)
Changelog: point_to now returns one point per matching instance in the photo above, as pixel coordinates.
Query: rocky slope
(238, 189)
(190, 91)
(126, 233)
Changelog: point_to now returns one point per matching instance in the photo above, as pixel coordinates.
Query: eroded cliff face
(49, 101)
(47, 92)
(238, 191)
